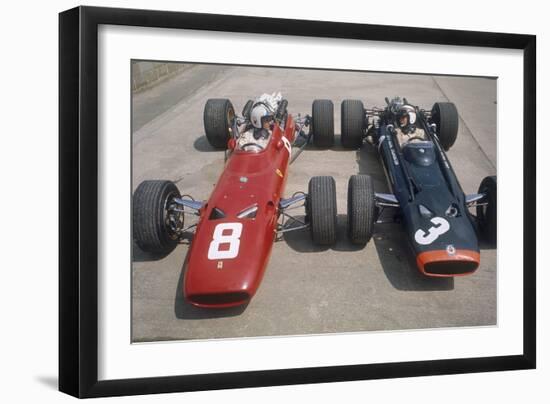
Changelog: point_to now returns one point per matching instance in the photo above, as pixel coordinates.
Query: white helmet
(258, 115)
(409, 112)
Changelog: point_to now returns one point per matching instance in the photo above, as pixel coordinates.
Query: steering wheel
(253, 145)
(417, 137)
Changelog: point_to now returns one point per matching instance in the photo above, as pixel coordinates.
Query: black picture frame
(78, 206)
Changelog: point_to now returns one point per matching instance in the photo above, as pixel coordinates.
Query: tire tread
(361, 208)
(215, 122)
(352, 123)
(488, 225)
(149, 231)
(322, 209)
(323, 123)
(446, 119)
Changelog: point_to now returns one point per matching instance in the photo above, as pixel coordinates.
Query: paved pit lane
(307, 289)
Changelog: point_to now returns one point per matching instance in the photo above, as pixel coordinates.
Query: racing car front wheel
(322, 123)
(154, 220)
(445, 116)
(353, 123)
(321, 209)
(218, 118)
(361, 209)
(486, 211)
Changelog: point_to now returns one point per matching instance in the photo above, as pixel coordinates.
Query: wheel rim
(230, 116)
(172, 219)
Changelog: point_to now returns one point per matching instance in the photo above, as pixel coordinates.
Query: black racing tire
(353, 123)
(487, 215)
(322, 210)
(150, 229)
(361, 209)
(322, 123)
(247, 108)
(218, 117)
(445, 116)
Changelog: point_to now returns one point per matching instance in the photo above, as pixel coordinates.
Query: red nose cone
(442, 263)
(218, 299)
(221, 283)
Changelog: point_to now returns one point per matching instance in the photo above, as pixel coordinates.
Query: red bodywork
(249, 178)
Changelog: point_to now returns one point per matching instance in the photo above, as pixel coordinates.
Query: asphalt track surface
(307, 289)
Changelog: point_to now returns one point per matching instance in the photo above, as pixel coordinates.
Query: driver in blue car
(406, 129)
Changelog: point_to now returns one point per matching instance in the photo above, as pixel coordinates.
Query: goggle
(266, 118)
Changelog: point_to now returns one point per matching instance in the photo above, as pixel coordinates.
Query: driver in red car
(406, 129)
(257, 137)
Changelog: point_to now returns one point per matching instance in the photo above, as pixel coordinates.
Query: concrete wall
(145, 74)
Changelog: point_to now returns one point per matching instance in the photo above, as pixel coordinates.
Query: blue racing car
(433, 208)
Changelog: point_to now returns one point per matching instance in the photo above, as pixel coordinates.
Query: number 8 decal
(233, 239)
(287, 144)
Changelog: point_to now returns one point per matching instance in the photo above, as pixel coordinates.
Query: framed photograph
(251, 201)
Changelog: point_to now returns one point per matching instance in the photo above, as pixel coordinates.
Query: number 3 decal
(428, 237)
(214, 252)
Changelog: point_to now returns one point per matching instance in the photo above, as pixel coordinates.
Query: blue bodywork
(432, 203)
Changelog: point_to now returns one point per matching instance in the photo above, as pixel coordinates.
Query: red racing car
(246, 211)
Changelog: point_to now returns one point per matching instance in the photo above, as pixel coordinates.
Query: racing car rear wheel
(153, 218)
(321, 209)
(487, 214)
(361, 209)
(323, 123)
(445, 116)
(353, 123)
(247, 108)
(218, 118)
